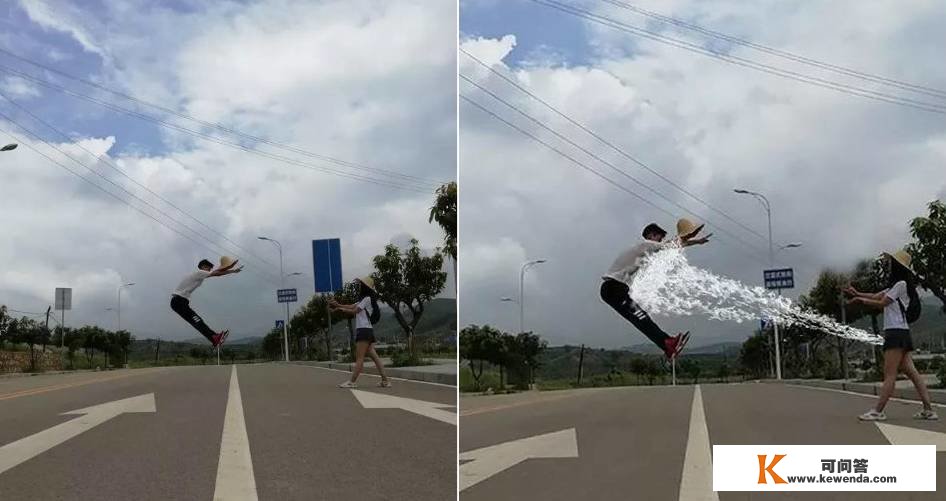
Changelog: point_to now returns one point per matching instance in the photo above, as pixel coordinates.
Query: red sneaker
(674, 345)
(682, 340)
(219, 338)
(670, 346)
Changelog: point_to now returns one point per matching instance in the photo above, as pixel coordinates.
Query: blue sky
(539, 30)
(72, 115)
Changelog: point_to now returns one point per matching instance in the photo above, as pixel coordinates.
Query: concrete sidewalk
(444, 371)
(904, 388)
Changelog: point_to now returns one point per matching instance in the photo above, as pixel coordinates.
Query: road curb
(395, 372)
(936, 395)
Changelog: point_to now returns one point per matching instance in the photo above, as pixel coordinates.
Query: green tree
(638, 367)
(272, 344)
(72, 342)
(406, 282)
(228, 353)
(825, 297)
(444, 212)
(722, 373)
(479, 345)
(123, 341)
(692, 369)
(88, 334)
(530, 346)
(929, 240)
(753, 356)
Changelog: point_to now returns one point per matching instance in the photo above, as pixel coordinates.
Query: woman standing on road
(366, 313)
(897, 300)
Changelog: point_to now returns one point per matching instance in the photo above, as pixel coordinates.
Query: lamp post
(522, 274)
(282, 279)
(768, 211)
(120, 302)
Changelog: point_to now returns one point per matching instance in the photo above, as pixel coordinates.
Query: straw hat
(688, 229)
(227, 261)
(903, 257)
(367, 281)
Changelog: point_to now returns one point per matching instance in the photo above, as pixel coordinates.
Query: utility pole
(581, 361)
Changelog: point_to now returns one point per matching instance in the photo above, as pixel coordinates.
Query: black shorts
(898, 338)
(364, 335)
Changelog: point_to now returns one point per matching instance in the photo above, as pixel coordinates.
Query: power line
(103, 158)
(871, 77)
(574, 160)
(747, 63)
(602, 160)
(217, 125)
(608, 143)
(113, 195)
(359, 177)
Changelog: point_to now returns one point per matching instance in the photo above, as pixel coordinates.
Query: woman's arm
(874, 303)
(877, 296)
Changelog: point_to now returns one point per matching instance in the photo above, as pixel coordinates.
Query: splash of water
(667, 284)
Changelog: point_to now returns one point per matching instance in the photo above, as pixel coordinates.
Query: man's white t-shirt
(361, 318)
(190, 283)
(893, 315)
(627, 264)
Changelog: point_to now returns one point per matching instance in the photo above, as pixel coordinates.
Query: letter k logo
(763, 468)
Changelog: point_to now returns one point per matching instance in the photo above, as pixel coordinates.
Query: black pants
(618, 296)
(182, 307)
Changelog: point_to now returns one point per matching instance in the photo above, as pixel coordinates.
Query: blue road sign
(280, 323)
(286, 296)
(327, 263)
(782, 278)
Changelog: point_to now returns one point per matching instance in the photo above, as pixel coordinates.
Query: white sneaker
(348, 384)
(872, 415)
(926, 415)
(384, 384)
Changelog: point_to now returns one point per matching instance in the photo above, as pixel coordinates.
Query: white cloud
(18, 88)
(65, 18)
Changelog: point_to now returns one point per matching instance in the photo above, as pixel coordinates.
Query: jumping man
(616, 285)
(180, 299)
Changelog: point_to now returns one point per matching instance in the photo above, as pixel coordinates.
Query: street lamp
(9, 147)
(282, 278)
(522, 274)
(768, 210)
(120, 303)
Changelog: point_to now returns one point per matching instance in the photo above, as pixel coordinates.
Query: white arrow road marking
(372, 400)
(488, 461)
(27, 448)
(235, 480)
(696, 483)
(901, 435)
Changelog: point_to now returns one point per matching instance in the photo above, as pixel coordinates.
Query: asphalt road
(191, 435)
(631, 442)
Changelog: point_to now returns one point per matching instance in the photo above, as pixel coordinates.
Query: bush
(403, 358)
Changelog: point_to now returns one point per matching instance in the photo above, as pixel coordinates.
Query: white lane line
(696, 483)
(872, 397)
(902, 435)
(372, 400)
(27, 448)
(489, 461)
(235, 480)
